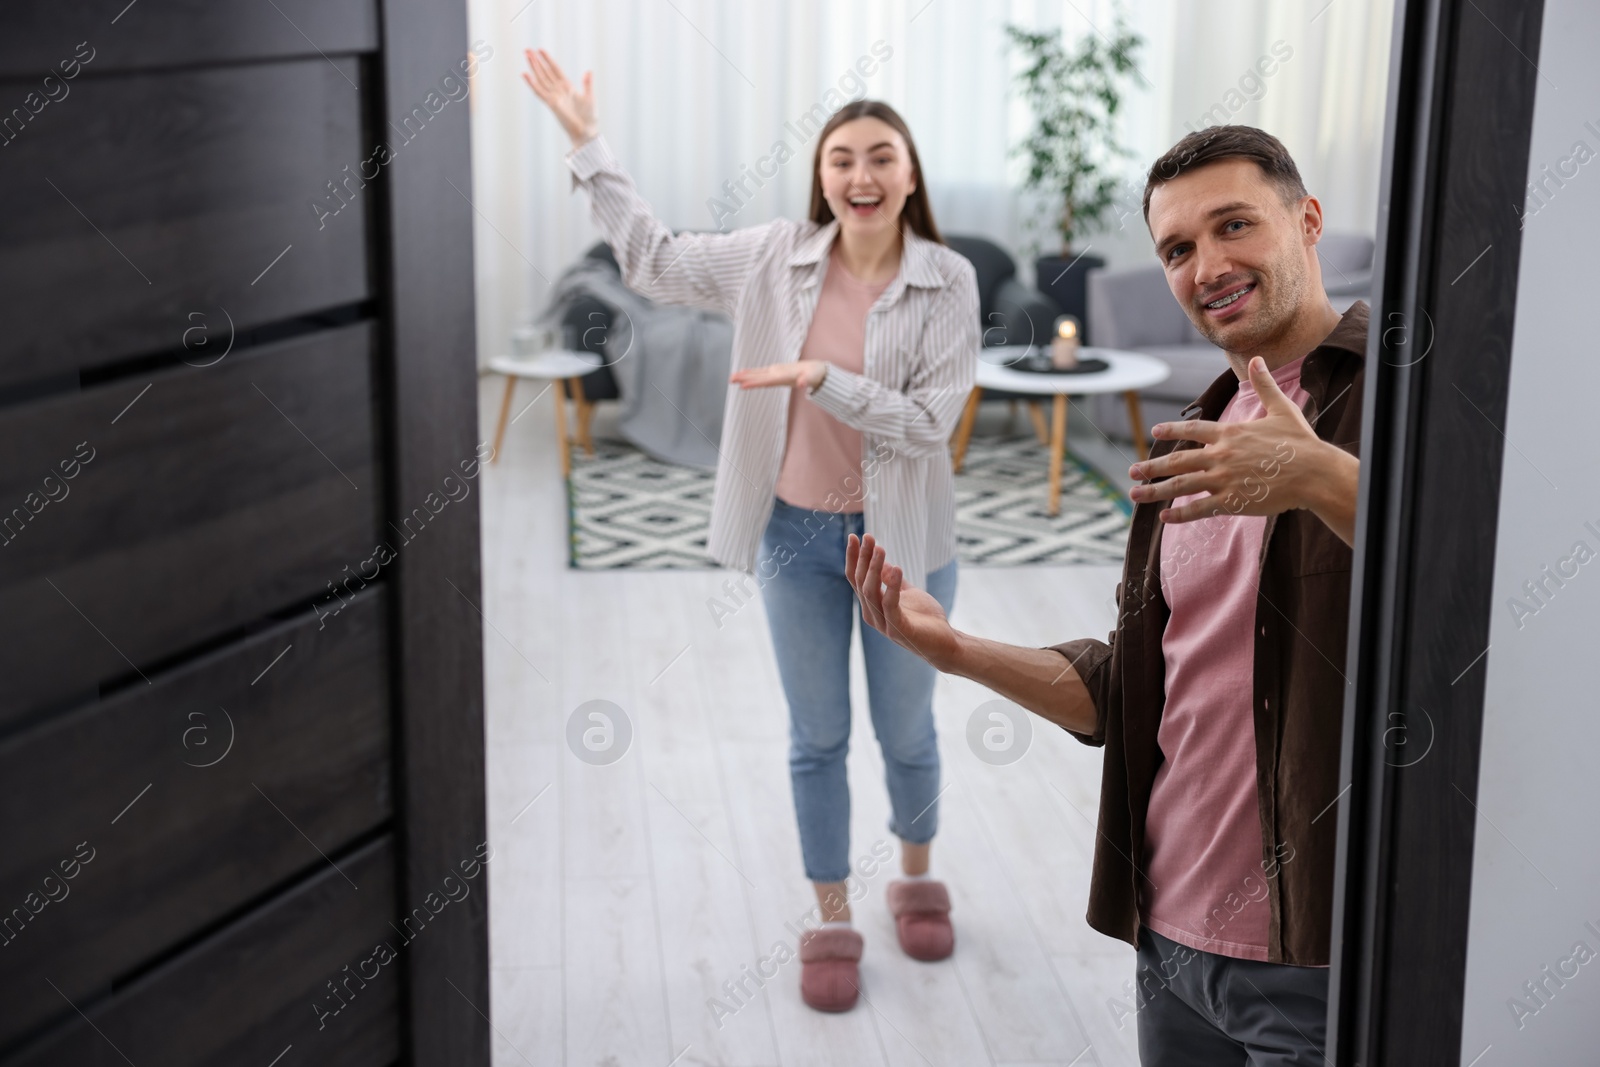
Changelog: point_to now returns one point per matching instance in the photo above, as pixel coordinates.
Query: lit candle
(1064, 346)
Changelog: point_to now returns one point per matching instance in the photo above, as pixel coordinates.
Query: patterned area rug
(626, 510)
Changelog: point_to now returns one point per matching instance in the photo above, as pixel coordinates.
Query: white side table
(1127, 373)
(556, 367)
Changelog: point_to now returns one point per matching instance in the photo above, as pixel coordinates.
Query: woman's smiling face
(866, 174)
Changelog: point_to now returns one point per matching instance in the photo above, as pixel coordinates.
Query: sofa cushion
(1194, 367)
(1133, 308)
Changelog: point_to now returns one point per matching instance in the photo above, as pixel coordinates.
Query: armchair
(1011, 313)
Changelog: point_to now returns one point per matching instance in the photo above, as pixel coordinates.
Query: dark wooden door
(241, 739)
(1462, 86)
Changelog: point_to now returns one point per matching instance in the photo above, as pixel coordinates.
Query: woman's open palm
(575, 110)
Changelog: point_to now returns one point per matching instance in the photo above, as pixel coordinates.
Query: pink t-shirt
(822, 456)
(1206, 887)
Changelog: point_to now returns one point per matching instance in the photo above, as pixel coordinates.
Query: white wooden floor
(623, 897)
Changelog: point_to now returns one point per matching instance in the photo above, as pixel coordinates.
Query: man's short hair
(1227, 142)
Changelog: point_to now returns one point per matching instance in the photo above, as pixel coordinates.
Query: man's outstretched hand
(1038, 679)
(1264, 466)
(910, 617)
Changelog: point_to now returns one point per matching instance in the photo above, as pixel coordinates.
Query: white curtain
(694, 95)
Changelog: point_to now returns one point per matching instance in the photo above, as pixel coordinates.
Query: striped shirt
(919, 362)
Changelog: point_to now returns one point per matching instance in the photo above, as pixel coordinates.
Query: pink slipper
(921, 910)
(829, 973)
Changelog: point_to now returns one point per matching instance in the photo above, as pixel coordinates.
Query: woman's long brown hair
(917, 211)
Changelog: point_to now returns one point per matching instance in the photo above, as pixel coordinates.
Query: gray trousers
(1199, 1009)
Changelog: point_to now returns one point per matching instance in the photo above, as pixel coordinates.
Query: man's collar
(916, 260)
(1347, 338)
(1351, 332)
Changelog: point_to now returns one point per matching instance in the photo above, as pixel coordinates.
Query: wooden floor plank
(701, 891)
(1101, 984)
(527, 1016)
(525, 875)
(615, 1007)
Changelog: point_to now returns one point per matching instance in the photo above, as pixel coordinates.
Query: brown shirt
(1302, 608)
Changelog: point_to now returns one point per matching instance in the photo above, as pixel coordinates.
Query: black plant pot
(1064, 280)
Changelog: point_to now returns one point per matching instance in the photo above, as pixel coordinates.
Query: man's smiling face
(1236, 255)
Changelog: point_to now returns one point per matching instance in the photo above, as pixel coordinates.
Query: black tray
(1039, 363)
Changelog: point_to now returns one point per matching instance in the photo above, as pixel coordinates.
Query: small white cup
(530, 340)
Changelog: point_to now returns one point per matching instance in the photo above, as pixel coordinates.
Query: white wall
(691, 90)
(1536, 859)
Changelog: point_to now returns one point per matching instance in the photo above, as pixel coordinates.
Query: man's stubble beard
(1276, 296)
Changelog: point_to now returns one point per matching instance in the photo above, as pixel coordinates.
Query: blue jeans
(811, 609)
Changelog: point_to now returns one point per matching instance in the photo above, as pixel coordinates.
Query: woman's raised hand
(575, 110)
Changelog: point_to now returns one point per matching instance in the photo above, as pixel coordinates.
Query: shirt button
(1264, 703)
(1263, 631)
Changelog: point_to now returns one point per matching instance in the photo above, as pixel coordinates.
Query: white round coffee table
(557, 367)
(1127, 373)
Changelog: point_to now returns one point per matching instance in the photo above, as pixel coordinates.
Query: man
(1219, 696)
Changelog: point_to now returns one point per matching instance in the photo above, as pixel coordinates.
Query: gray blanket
(671, 364)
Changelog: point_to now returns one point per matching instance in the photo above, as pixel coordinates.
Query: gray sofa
(1133, 309)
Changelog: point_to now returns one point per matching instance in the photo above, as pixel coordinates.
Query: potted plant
(1071, 152)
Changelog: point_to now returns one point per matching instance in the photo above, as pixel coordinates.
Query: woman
(854, 348)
